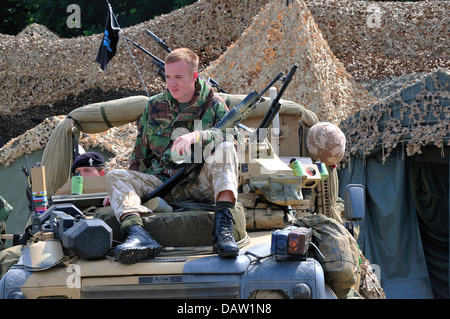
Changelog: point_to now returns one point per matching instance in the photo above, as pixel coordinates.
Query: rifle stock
(231, 119)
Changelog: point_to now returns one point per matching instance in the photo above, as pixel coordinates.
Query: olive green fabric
(129, 221)
(340, 260)
(406, 227)
(9, 257)
(188, 228)
(429, 179)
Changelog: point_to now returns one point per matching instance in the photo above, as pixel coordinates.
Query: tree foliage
(15, 15)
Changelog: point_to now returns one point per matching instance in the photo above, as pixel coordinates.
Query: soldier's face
(180, 80)
(89, 171)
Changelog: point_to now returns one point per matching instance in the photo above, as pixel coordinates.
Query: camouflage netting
(38, 68)
(32, 140)
(412, 117)
(279, 37)
(370, 287)
(117, 140)
(377, 40)
(337, 44)
(410, 39)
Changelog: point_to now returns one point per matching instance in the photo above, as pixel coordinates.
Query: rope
(121, 33)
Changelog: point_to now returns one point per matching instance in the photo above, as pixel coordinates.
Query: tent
(398, 148)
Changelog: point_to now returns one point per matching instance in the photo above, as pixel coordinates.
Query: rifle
(163, 44)
(276, 105)
(29, 193)
(157, 61)
(231, 119)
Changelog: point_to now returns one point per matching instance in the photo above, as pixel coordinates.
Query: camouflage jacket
(152, 150)
(5, 209)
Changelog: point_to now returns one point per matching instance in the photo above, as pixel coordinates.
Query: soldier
(188, 100)
(89, 164)
(5, 209)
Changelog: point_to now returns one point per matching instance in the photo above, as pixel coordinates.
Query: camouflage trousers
(219, 173)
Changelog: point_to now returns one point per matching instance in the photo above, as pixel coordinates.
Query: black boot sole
(224, 253)
(133, 255)
(228, 254)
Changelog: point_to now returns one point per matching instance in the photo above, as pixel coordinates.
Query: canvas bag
(340, 260)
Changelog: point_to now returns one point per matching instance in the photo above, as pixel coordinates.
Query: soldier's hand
(182, 144)
(106, 201)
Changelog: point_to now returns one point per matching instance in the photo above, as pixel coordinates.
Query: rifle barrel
(160, 63)
(158, 40)
(272, 83)
(269, 116)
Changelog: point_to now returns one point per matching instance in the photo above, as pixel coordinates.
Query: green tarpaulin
(399, 150)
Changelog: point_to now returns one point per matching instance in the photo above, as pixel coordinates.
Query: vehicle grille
(164, 291)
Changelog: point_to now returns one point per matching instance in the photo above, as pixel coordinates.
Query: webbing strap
(105, 119)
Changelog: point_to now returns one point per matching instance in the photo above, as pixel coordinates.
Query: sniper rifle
(231, 119)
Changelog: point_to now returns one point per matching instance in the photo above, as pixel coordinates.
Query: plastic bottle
(77, 184)
(323, 170)
(297, 167)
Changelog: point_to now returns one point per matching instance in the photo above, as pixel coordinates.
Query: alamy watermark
(374, 18)
(73, 20)
(74, 279)
(216, 151)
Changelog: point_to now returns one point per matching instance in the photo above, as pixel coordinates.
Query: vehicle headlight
(16, 295)
(301, 291)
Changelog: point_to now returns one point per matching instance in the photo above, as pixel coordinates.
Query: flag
(110, 39)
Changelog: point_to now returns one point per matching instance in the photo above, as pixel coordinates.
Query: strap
(105, 119)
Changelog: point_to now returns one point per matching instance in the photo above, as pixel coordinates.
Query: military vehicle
(70, 237)
(69, 255)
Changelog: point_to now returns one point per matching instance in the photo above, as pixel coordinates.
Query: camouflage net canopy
(412, 117)
(378, 40)
(39, 69)
(32, 140)
(117, 140)
(279, 37)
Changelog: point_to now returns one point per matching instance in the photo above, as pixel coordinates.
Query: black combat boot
(223, 241)
(138, 245)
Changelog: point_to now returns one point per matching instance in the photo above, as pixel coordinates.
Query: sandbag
(340, 260)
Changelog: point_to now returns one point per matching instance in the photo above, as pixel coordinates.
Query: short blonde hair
(184, 54)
